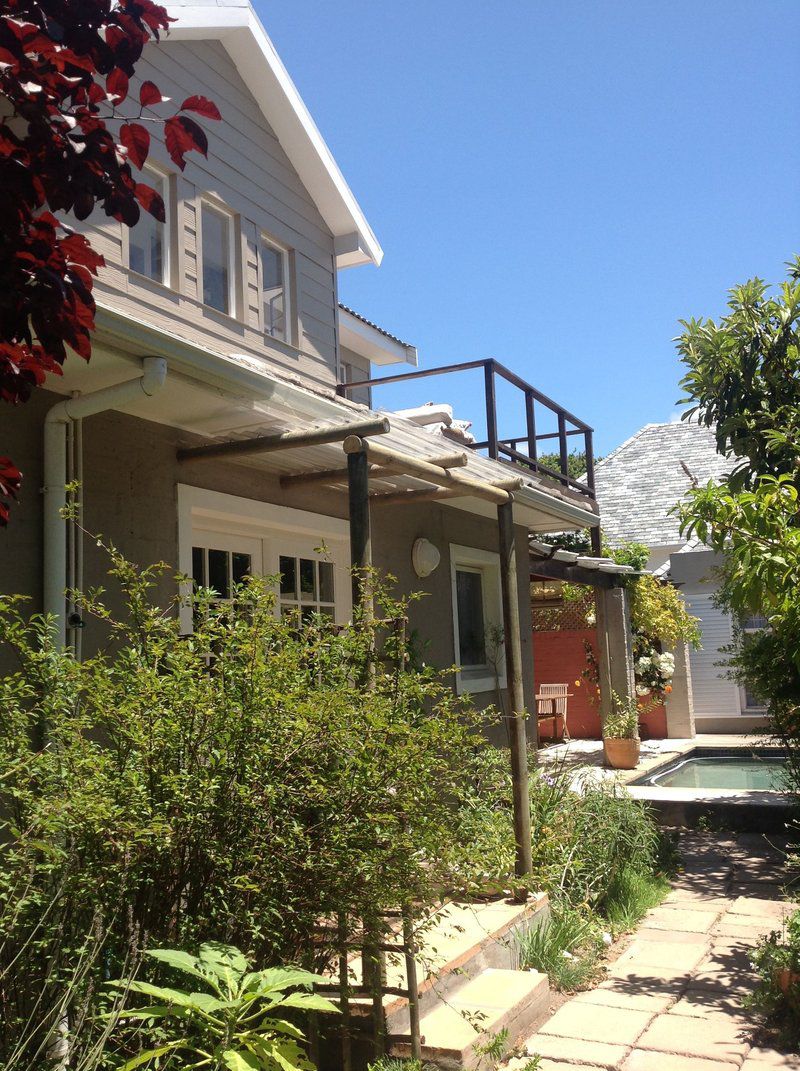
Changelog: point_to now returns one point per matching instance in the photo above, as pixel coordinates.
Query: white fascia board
(241, 33)
(372, 344)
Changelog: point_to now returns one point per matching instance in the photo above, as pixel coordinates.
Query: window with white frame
(224, 538)
(217, 258)
(148, 240)
(477, 619)
(275, 296)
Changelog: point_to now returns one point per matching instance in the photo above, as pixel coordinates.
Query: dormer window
(148, 245)
(217, 252)
(275, 290)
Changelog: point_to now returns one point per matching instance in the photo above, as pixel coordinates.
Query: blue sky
(556, 184)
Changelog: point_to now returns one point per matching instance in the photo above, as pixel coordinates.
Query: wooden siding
(712, 692)
(248, 172)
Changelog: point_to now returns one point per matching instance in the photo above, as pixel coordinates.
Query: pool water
(753, 771)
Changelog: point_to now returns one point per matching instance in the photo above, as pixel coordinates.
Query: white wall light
(424, 557)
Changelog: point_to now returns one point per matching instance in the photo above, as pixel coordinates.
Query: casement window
(148, 241)
(217, 258)
(477, 619)
(224, 538)
(275, 290)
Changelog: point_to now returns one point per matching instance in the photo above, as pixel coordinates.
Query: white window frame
(268, 240)
(167, 255)
(204, 515)
(233, 231)
(471, 679)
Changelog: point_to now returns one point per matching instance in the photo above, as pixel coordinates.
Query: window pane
(216, 259)
(288, 567)
(469, 605)
(274, 291)
(308, 580)
(240, 567)
(218, 572)
(146, 239)
(326, 582)
(198, 566)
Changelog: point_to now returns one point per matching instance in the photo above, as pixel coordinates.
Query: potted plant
(621, 741)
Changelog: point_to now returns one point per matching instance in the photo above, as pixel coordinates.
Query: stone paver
(597, 1023)
(672, 1001)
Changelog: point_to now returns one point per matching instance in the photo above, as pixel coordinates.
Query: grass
(630, 896)
(566, 948)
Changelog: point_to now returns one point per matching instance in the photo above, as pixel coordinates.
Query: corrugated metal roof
(377, 327)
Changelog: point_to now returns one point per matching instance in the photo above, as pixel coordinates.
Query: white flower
(642, 689)
(591, 620)
(644, 662)
(607, 939)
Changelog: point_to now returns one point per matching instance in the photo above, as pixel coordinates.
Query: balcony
(528, 405)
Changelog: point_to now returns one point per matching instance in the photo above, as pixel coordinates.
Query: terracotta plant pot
(785, 978)
(622, 752)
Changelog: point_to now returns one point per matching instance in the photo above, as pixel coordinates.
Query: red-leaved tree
(70, 138)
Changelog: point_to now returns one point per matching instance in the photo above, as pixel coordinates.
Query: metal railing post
(530, 421)
(562, 444)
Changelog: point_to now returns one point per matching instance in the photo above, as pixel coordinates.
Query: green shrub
(238, 1024)
(630, 896)
(776, 960)
(566, 948)
(237, 785)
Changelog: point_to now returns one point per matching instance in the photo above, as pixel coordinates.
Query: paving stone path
(671, 1002)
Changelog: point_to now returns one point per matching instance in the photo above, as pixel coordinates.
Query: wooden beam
(434, 474)
(431, 494)
(518, 737)
(574, 574)
(325, 476)
(287, 440)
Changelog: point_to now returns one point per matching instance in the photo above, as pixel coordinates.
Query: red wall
(559, 658)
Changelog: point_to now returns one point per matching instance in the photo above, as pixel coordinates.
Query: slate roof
(640, 481)
(370, 323)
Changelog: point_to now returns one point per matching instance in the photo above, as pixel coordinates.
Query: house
(638, 484)
(209, 429)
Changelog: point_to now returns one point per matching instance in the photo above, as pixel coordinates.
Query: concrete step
(456, 944)
(497, 999)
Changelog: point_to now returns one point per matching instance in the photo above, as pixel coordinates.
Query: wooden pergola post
(516, 695)
(360, 534)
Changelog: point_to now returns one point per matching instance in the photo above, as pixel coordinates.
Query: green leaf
(284, 1027)
(274, 978)
(197, 1001)
(182, 961)
(224, 960)
(237, 1060)
(307, 1001)
(148, 1055)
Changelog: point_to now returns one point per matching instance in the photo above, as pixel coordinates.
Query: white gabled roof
(235, 24)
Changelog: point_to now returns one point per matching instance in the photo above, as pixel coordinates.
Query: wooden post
(491, 408)
(516, 696)
(360, 536)
(530, 421)
(562, 444)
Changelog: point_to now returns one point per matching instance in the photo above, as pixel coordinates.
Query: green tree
(743, 379)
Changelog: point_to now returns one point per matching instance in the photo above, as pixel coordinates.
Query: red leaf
(183, 135)
(202, 105)
(136, 140)
(117, 85)
(150, 201)
(149, 94)
(10, 482)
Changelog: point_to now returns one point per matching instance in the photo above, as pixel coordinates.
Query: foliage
(622, 721)
(576, 463)
(239, 1025)
(631, 895)
(658, 611)
(64, 76)
(742, 376)
(567, 948)
(237, 785)
(776, 960)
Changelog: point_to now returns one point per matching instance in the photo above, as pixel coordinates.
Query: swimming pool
(761, 769)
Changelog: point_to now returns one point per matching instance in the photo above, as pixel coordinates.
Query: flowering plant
(653, 670)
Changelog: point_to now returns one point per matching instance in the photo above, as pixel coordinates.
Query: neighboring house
(224, 325)
(638, 484)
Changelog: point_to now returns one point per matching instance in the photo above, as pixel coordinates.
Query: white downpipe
(154, 372)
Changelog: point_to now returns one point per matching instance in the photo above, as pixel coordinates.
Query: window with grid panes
(306, 587)
(220, 570)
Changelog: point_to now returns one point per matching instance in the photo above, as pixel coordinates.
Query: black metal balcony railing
(496, 447)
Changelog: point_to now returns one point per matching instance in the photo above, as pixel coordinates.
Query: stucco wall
(131, 476)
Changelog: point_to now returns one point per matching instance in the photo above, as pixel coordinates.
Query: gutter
(56, 424)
